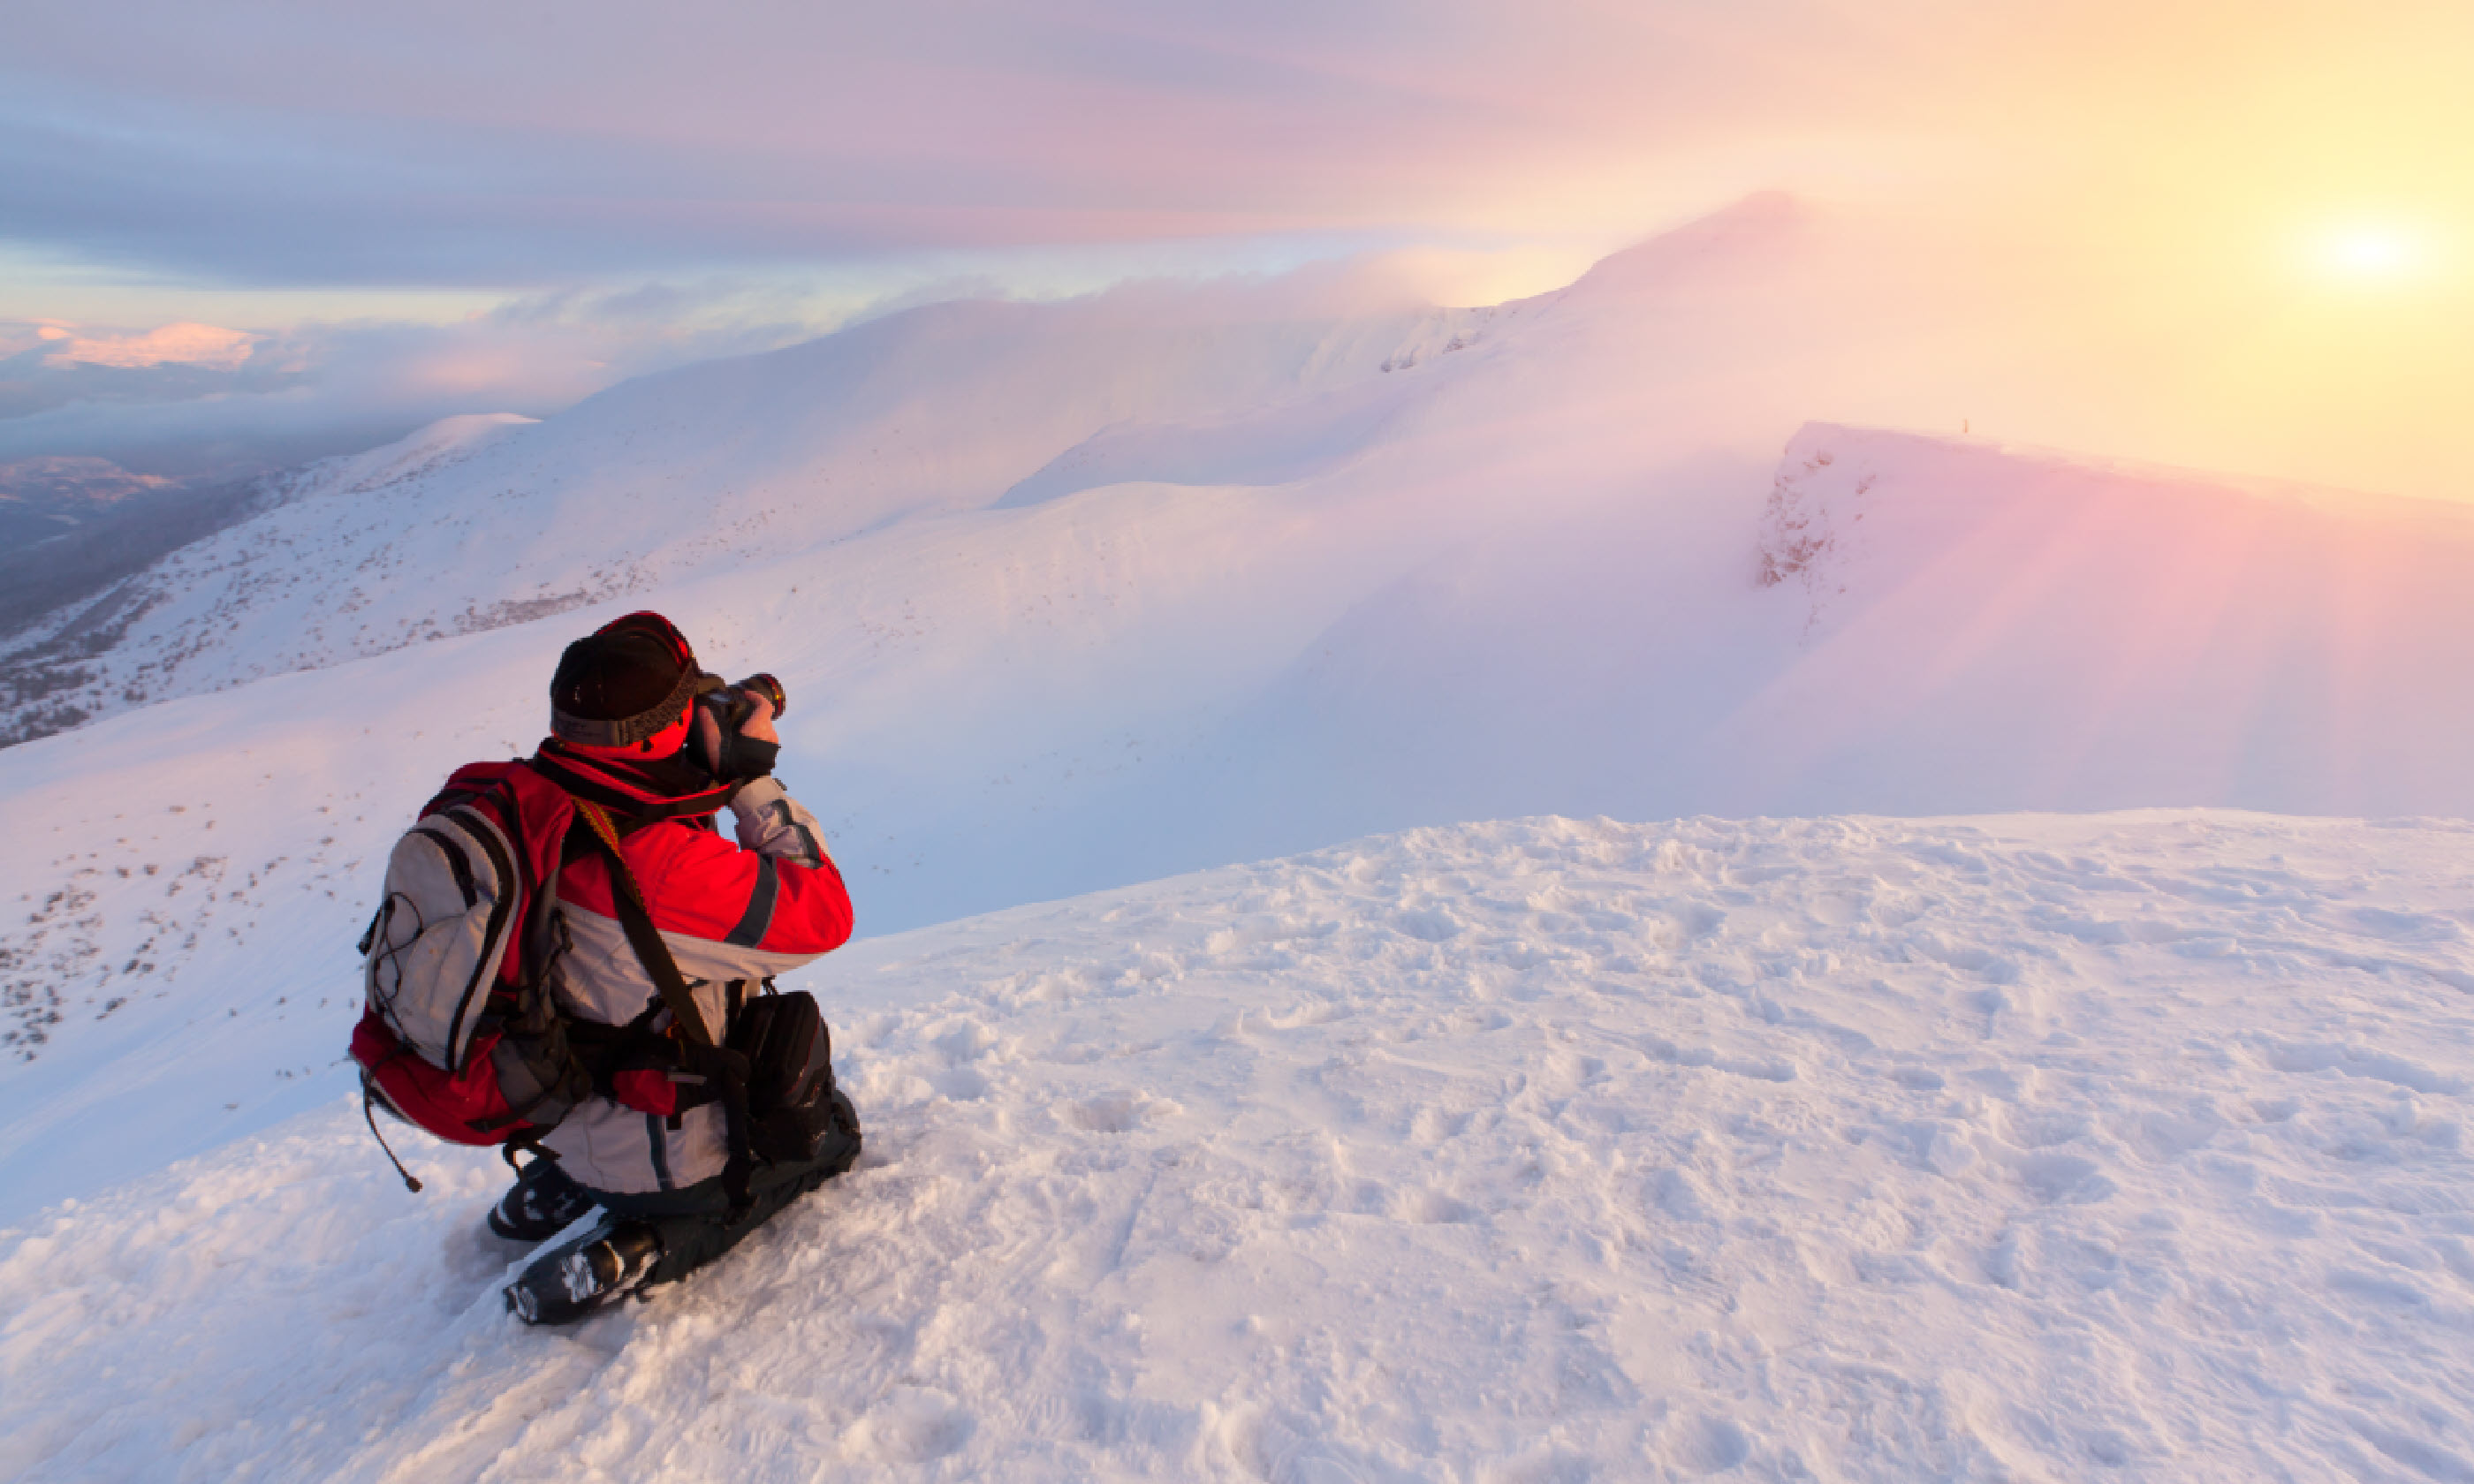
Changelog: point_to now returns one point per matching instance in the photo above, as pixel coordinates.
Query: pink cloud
(185, 344)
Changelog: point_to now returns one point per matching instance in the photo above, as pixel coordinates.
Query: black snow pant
(694, 1223)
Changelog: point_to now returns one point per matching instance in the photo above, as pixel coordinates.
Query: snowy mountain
(1075, 596)
(228, 607)
(474, 523)
(1786, 1146)
(1855, 1150)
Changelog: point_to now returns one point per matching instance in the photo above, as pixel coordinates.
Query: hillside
(1482, 583)
(143, 599)
(1863, 1150)
(475, 523)
(1816, 1134)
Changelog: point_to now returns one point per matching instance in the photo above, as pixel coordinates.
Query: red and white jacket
(732, 915)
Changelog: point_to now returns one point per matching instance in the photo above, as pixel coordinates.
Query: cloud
(255, 400)
(2119, 184)
(185, 344)
(189, 399)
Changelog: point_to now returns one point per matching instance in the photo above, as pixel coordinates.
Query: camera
(738, 757)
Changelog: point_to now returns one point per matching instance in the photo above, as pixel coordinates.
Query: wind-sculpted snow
(2024, 1148)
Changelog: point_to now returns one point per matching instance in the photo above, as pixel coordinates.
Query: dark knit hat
(626, 682)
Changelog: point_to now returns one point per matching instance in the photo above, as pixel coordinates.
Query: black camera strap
(637, 920)
(596, 781)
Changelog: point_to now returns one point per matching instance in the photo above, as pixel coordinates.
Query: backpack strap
(369, 1095)
(724, 1069)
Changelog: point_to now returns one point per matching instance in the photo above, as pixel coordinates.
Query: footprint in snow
(1116, 1112)
(1433, 1207)
(913, 1425)
(2064, 1180)
(1710, 1445)
(959, 1085)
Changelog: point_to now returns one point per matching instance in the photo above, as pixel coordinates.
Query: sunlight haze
(2194, 232)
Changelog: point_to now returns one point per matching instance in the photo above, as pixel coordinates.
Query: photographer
(667, 935)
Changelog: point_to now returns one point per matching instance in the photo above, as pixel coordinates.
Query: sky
(2230, 234)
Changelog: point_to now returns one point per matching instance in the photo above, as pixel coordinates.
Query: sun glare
(2368, 254)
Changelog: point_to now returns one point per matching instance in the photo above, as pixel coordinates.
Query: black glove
(743, 758)
(726, 752)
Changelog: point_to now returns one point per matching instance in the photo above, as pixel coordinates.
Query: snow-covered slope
(2028, 1148)
(1904, 623)
(2222, 639)
(1525, 575)
(465, 526)
(1037, 571)
(105, 628)
(422, 452)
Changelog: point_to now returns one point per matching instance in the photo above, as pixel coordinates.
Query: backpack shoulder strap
(642, 935)
(719, 1064)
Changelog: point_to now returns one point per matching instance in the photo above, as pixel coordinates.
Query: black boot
(603, 1265)
(840, 1149)
(544, 1200)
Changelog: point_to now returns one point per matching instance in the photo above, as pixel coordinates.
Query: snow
(421, 452)
(477, 522)
(2034, 1148)
(997, 706)
(1846, 1138)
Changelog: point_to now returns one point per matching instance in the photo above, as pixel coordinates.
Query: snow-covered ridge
(1141, 675)
(166, 629)
(1198, 565)
(1841, 1149)
(464, 526)
(1831, 477)
(425, 451)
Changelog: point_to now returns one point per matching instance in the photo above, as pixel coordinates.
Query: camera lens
(765, 685)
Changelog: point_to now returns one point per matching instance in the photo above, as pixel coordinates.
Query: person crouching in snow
(711, 1105)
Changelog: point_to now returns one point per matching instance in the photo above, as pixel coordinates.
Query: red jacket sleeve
(728, 912)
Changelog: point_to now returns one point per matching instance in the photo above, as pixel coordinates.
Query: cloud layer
(190, 400)
(2137, 188)
(458, 143)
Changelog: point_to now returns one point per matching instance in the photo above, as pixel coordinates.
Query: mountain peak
(1755, 232)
